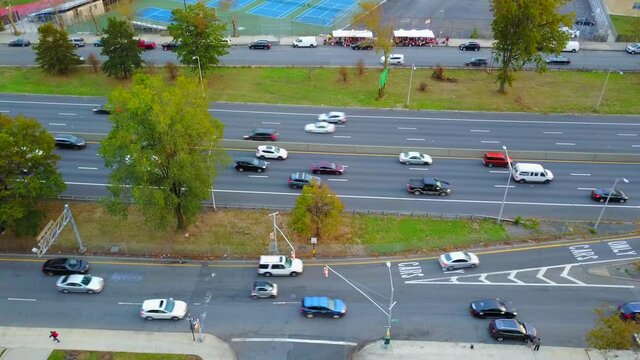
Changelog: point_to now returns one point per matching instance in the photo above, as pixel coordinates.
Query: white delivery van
(305, 41)
(527, 172)
(279, 265)
(572, 46)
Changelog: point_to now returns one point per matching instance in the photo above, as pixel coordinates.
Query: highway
(551, 287)
(339, 56)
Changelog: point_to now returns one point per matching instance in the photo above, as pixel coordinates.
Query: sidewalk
(411, 350)
(23, 343)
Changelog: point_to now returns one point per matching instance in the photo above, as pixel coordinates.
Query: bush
(438, 74)
(423, 86)
(172, 71)
(93, 60)
(344, 74)
(475, 34)
(360, 69)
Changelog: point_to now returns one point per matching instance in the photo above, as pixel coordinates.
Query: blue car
(313, 306)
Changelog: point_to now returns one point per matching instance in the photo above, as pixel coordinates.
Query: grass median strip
(104, 355)
(552, 92)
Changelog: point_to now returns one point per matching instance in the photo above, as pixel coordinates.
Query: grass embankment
(627, 27)
(552, 92)
(245, 234)
(101, 355)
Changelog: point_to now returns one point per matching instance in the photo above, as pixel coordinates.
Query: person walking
(536, 342)
(54, 334)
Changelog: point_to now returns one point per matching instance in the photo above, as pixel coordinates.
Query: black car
(313, 306)
(262, 135)
(65, 266)
(68, 141)
(502, 329)
(251, 164)
(429, 185)
(630, 311)
(493, 307)
(477, 62)
(260, 44)
(19, 42)
(470, 46)
(172, 45)
(301, 179)
(602, 194)
(325, 167)
(362, 45)
(585, 22)
(102, 109)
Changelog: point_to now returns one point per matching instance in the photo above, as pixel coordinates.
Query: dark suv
(502, 329)
(260, 44)
(313, 306)
(362, 45)
(301, 179)
(262, 135)
(70, 141)
(171, 45)
(470, 46)
(630, 311)
(251, 164)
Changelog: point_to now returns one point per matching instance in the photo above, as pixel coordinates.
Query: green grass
(21, 2)
(627, 27)
(552, 92)
(98, 355)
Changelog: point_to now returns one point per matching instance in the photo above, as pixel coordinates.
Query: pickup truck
(428, 185)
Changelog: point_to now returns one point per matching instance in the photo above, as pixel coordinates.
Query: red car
(498, 159)
(147, 45)
(325, 167)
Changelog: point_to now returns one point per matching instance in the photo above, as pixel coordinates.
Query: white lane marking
(566, 144)
(342, 136)
(503, 186)
(627, 134)
(572, 174)
(4, 111)
(57, 124)
(490, 142)
(20, 299)
(512, 277)
(540, 276)
(270, 123)
(45, 103)
(128, 303)
(342, 180)
(461, 271)
(419, 169)
(259, 176)
(408, 198)
(306, 341)
(480, 131)
(565, 274)
(67, 114)
(499, 171)
(590, 189)
(415, 139)
(345, 166)
(87, 168)
(407, 128)
(553, 132)
(285, 302)
(635, 145)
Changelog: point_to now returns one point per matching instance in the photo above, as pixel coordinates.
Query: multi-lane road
(377, 182)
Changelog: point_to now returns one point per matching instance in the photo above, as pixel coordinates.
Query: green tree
(28, 172)
(201, 35)
(119, 45)
(7, 5)
(371, 17)
(611, 332)
(54, 53)
(318, 212)
(155, 149)
(522, 29)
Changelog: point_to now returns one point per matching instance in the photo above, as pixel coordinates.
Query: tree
(28, 173)
(317, 212)
(7, 4)
(522, 29)
(54, 53)
(611, 332)
(119, 45)
(201, 35)
(155, 149)
(226, 6)
(371, 18)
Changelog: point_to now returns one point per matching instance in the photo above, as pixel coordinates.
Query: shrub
(93, 60)
(360, 69)
(172, 71)
(423, 86)
(438, 74)
(475, 34)
(344, 74)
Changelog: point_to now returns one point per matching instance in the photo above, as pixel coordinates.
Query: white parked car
(458, 260)
(334, 117)
(320, 127)
(394, 59)
(163, 309)
(415, 158)
(633, 48)
(271, 152)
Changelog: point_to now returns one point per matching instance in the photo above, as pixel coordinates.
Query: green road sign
(383, 77)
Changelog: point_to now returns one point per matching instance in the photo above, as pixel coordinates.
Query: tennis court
(325, 12)
(277, 9)
(237, 4)
(155, 14)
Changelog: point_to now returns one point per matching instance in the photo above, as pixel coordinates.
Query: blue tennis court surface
(325, 12)
(237, 4)
(155, 14)
(277, 9)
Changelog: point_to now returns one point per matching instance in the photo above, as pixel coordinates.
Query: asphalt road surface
(550, 287)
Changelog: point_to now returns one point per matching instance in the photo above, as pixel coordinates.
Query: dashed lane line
(290, 340)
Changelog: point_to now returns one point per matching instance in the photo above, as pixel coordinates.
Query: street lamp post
(200, 72)
(506, 189)
(604, 86)
(607, 201)
(441, 22)
(387, 338)
(413, 67)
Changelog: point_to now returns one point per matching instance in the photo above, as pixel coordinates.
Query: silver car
(415, 158)
(80, 283)
(264, 289)
(458, 260)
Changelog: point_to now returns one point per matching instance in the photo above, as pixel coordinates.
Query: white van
(305, 41)
(394, 59)
(279, 265)
(527, 172)
(572, 46)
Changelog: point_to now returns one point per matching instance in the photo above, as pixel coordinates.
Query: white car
(573, 33)
(394, 59)
(334, 117)
(271, 152)
(458, 260)
(415, 158)
(163, 309)
(80, 283)
(320, 127)
(633, 48)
